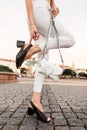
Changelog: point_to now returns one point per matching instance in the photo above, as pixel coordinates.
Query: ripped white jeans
(42, 21)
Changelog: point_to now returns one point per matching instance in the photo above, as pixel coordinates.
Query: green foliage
(5, 69)
(30, 62)
(69, 72)
(82, 74)
(23, 70)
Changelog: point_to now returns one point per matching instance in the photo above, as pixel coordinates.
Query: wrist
(31, 24)
(52, 3)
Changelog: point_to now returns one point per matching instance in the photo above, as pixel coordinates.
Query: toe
(49, 119)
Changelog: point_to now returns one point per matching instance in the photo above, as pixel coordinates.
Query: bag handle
(52, 23)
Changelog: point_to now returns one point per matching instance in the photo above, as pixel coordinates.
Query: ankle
(36, 97)
(36, 101)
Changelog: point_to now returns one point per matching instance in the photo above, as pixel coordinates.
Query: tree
(4, 68)
(23, 70)
(30, 62)
(82, 74)
(69, 72)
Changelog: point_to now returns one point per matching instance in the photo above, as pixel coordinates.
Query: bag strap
(52, 23)
(51, 3)
(57, 38)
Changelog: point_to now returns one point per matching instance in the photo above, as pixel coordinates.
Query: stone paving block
(62, 104)
(70, 115)
(26, 103)
(52, 102)
(12, 109)
(62, 128)
(46, 128)
(50, 94)
(3, 121)
(2, 110)
(55, 109)
(77, 128)
(77, 109)
(81, 115)
(45, 102)
(85, 111)
(40, 124)
(18, 115)
(0, 127)
(65, 110)
(65, 106)
(85, 122)
(7, 114)
(60, 122)
(10, 127)
(30, 120)
(23, 107)
(27, 128)
(57, 116)
(46, 109)
(75, 122)
(14, 121)
(54, 106)
(22, 110)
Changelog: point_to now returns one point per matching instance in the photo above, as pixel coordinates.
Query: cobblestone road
(65, 101)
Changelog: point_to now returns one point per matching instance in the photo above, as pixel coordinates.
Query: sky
(73, 15)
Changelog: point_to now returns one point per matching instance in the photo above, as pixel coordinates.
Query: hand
(55, 11)
(33, 32)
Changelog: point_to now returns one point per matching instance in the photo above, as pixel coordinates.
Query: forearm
(29, 8)
(52, 3)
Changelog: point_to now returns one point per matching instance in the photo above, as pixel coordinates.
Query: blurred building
(10, 63)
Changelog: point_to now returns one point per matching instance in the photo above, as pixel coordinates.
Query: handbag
(50, 70)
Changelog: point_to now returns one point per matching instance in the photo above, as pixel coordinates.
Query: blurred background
(13, 27)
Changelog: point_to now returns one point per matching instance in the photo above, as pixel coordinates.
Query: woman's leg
(66, 40)
(39, 78)
(38, 84)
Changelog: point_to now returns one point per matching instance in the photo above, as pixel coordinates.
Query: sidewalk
(65, 102)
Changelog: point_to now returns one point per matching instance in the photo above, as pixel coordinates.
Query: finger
(30, 39)
(36, 36)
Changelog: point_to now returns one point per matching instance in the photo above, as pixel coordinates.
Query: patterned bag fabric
(50, 70)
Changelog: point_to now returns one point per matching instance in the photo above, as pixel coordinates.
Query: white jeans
(42, 21)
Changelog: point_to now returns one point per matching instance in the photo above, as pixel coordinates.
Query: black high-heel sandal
(30, 111)
(40, 115)
(21, 55)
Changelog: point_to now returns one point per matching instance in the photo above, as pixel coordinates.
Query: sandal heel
(40, 115)
(21, 55)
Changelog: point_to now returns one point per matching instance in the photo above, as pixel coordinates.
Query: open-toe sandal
(21, 55)
(40, 115)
